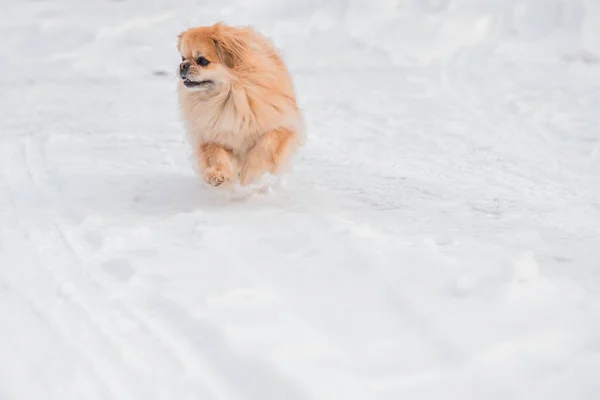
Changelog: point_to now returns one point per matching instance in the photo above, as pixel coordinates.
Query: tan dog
(238, 102)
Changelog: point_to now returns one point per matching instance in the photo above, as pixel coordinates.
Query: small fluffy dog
(238, 103)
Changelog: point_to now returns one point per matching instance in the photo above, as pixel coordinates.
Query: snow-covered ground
(437, 238)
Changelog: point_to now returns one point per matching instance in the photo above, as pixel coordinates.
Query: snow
(437, 237)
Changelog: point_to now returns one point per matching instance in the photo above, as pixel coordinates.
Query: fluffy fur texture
(238, 103)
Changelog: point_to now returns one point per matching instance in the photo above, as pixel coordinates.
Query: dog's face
(200, 68)
(206, 59)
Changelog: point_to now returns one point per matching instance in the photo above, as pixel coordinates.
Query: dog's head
(209, 57)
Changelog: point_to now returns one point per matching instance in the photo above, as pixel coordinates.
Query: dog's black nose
(184, 68)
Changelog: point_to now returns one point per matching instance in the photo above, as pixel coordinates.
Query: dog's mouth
(194, 84)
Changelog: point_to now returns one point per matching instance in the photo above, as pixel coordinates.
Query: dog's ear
(230, 47)
(225, 55)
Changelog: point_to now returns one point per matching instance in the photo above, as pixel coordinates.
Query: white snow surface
(438, 237)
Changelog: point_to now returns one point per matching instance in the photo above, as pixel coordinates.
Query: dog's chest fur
(234, 119)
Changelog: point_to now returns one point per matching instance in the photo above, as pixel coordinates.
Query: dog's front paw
(214, 176)
(250, 172)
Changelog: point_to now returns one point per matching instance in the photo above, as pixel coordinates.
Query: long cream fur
(248, 122)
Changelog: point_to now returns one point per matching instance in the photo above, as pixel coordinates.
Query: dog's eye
(182, 58)
(203, 61)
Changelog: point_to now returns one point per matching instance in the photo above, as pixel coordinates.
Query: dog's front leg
(217, 163)
(270, 153)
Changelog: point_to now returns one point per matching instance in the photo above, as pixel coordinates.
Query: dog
(238, 103)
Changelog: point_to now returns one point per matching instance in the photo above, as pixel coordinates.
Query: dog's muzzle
(184, 69)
